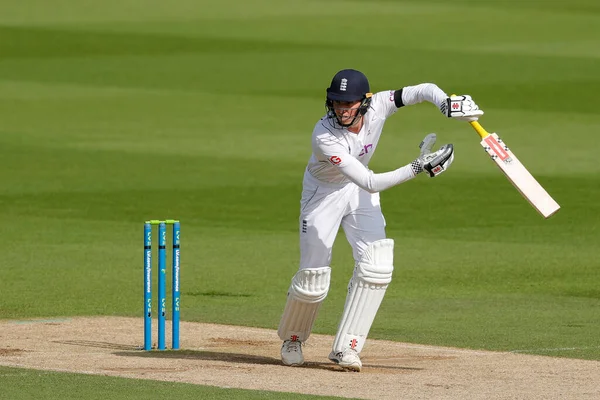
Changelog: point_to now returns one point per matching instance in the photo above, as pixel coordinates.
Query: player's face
(346, 110)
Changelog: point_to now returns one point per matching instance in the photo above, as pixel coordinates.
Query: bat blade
(517, 174)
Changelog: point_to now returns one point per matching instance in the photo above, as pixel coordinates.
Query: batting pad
(308, 290)
(366, 289)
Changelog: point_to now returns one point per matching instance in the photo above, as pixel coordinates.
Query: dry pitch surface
(240, 357)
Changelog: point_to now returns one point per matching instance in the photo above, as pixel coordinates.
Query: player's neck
(356, 127)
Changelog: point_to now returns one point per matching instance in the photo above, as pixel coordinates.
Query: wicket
(162, 285)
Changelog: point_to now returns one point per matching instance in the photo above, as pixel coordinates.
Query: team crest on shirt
(335, 160)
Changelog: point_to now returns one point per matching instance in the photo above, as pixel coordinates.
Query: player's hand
(461, 107)
(434, 163)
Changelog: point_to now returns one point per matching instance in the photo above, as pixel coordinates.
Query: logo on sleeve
(392, 92)
(335, 160)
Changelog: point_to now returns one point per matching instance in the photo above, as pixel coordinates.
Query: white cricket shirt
(340, 156)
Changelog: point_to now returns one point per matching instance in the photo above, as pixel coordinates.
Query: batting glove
(434, 163)
(461, 107)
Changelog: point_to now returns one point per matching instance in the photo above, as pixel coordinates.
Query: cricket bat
(516, 173)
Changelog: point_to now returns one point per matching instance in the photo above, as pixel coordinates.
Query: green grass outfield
(18, 383)
(115, 112)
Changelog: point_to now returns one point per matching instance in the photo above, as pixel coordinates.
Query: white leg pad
(308, 290)
(366, 289)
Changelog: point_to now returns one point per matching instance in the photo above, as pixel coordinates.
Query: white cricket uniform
(338, 187)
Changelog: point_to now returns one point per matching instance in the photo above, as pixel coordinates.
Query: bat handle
(477, 126)
(480, 130)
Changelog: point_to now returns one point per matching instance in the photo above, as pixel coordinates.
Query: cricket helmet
(348, 85)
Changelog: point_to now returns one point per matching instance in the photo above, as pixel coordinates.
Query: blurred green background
(114, 112)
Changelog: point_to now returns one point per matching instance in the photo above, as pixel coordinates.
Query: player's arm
(410, 95)
(434, 163)
(368, 180)
(458, 107)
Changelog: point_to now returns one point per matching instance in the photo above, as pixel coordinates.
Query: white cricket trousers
(324, 208)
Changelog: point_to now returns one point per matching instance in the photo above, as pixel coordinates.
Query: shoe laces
(293, 345)
(349, 352)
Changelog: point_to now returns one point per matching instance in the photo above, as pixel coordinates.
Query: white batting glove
(461, 107)
(433, 162)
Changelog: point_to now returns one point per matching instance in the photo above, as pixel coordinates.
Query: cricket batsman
(339, 189)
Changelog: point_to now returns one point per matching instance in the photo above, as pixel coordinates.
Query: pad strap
(307, 291)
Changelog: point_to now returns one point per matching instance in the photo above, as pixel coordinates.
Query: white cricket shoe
(347, 359)
(291, 353)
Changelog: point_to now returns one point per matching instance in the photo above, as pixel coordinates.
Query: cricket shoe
(347, 359)
(291, 353)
